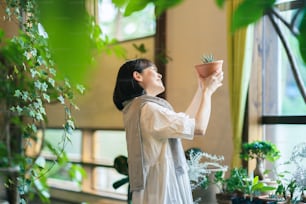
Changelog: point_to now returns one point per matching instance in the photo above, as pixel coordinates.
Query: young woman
(156, 161)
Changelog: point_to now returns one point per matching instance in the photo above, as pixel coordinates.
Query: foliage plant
(232, 184)
(254, 187)
(201, 165)
(291, 183)
(259, 149)
(207, 58)
(239, 184)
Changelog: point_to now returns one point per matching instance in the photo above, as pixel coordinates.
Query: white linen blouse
(162, 185)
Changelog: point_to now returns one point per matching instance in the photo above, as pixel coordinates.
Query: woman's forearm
(203, 114)
(200, 106)
(199, 109)
(195, 102)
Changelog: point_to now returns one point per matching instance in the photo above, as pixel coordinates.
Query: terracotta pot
(204, 70)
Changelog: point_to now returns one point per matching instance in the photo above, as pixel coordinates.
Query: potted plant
(230, 187)
(208, 66)
(259, 150)
(202, 170)
(239, 187)
(291, 182)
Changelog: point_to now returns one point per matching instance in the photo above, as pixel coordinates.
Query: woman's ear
(137, 76)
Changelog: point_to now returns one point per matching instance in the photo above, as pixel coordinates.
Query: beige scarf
(131, 116)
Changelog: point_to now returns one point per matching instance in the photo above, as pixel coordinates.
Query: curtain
(239, 65)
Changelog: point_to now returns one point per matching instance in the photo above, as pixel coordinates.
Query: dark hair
(127, 87)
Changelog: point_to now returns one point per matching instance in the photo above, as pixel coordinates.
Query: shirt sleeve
(161, 122)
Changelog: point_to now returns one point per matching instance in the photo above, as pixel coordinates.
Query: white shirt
(162, 186)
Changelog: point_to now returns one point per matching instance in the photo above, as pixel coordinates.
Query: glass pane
(104, 180)
(114, 25)
(281, 93)
(108, 145)
(72, 147)
(59, 177)
(286, 137)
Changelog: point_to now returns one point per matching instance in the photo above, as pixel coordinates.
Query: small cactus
(207, 58)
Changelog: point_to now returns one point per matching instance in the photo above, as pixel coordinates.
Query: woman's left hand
(212, 82)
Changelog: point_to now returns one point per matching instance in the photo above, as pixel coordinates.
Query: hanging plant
(29, 82)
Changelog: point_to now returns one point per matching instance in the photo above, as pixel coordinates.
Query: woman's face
(150, 81)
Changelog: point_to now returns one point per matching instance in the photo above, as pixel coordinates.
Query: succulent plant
(207, 58)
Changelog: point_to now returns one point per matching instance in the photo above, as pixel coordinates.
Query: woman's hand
(212, 82)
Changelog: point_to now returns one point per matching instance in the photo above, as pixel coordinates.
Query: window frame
(255, 119)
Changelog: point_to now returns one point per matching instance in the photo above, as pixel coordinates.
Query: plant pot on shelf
(206, 69)
(206, 195)
(259, 168)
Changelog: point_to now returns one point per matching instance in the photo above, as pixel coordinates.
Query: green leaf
(141, 48)
(69, 40)
(120, 3)
(41, 188)
(46, 97)
(255, 180)
(1, 34)
(41, 162)
(267, 188)
(257, 186)
(162, 5)
(220, 3)
(135, 5)
(248, 12)
(61, 99)
(80, 88)
(301, 36)
(77, 173)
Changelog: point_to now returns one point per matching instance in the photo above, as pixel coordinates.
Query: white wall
(193, 28)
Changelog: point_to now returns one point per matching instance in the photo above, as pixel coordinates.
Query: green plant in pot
(291, 181)
(202, 169)
(259, 150)
(208, 66)
(239, 187)
(230, 187)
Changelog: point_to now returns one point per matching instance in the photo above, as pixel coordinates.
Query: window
(108, 145)
(72, 147)
(115, 25)
(95, 151)
(283, 107)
